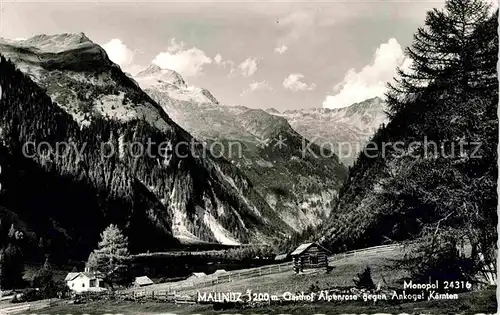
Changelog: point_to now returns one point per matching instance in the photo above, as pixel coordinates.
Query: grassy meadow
(342, 274)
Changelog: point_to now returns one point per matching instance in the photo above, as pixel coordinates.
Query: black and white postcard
(248, 157)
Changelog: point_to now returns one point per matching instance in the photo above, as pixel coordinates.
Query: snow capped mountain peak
(352, 125)
(150, 70)
(171, 82)
(67, 51)
(154, 73)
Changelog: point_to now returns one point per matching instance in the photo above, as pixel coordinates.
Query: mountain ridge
(298, 185)
(344, 130)
(202, 194)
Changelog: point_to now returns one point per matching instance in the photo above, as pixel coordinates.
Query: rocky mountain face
(345, 131)
(298, 181)
(83, 146)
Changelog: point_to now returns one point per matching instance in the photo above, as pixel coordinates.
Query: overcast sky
(286, 55)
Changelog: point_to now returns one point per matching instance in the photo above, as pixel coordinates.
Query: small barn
(309, 256)
(281, 257)
(196, 276)
(142, 281)
(219, 272)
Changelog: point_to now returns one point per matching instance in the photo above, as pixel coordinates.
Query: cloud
(303, 22)
(297, 25)
(119, 53)
(248, 67)
(223, 63)
(257, 86)
(188, 62)
(20, 39)
(218, 58)
(372, 79)
(281, 50)
(293, 82)
(175, 46)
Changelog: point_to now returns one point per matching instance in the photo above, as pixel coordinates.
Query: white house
(84, 282)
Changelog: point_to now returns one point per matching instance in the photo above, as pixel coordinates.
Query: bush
(29, 295)
(47, 286)
(365, 280)
(314, 287)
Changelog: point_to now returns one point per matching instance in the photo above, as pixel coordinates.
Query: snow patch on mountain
(220, 233)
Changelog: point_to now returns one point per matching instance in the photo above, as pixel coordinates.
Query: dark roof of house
(303, 247)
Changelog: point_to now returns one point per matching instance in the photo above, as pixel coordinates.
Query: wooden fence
(374, 249)
(211, 280)
(161, 295)
(27, 307)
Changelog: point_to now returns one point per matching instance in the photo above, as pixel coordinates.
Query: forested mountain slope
(81, 98)
(431, 172)
(298, 180)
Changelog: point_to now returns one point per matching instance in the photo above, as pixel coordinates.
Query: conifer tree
(450, 92)
(12, 261)
(444, 50)
(111, 256)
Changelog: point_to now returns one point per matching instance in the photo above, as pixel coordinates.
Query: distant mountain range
(286, 169)
(344, 130)
(70, 92)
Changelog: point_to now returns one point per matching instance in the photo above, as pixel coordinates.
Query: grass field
(344, 270)
(468, 303)
(342, 275)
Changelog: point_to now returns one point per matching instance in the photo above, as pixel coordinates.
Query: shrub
(47, 286)
(365, 280)
(314, 287)
(30, 295)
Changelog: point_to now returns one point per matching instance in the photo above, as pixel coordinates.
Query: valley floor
(342, 274)
(469, 303)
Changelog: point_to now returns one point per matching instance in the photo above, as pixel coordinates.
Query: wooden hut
(142, 281)
(309, 256)
(281, 257)
(197, 276)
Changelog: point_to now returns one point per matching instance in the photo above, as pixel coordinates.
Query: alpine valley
(297, 181)
(64, 89)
